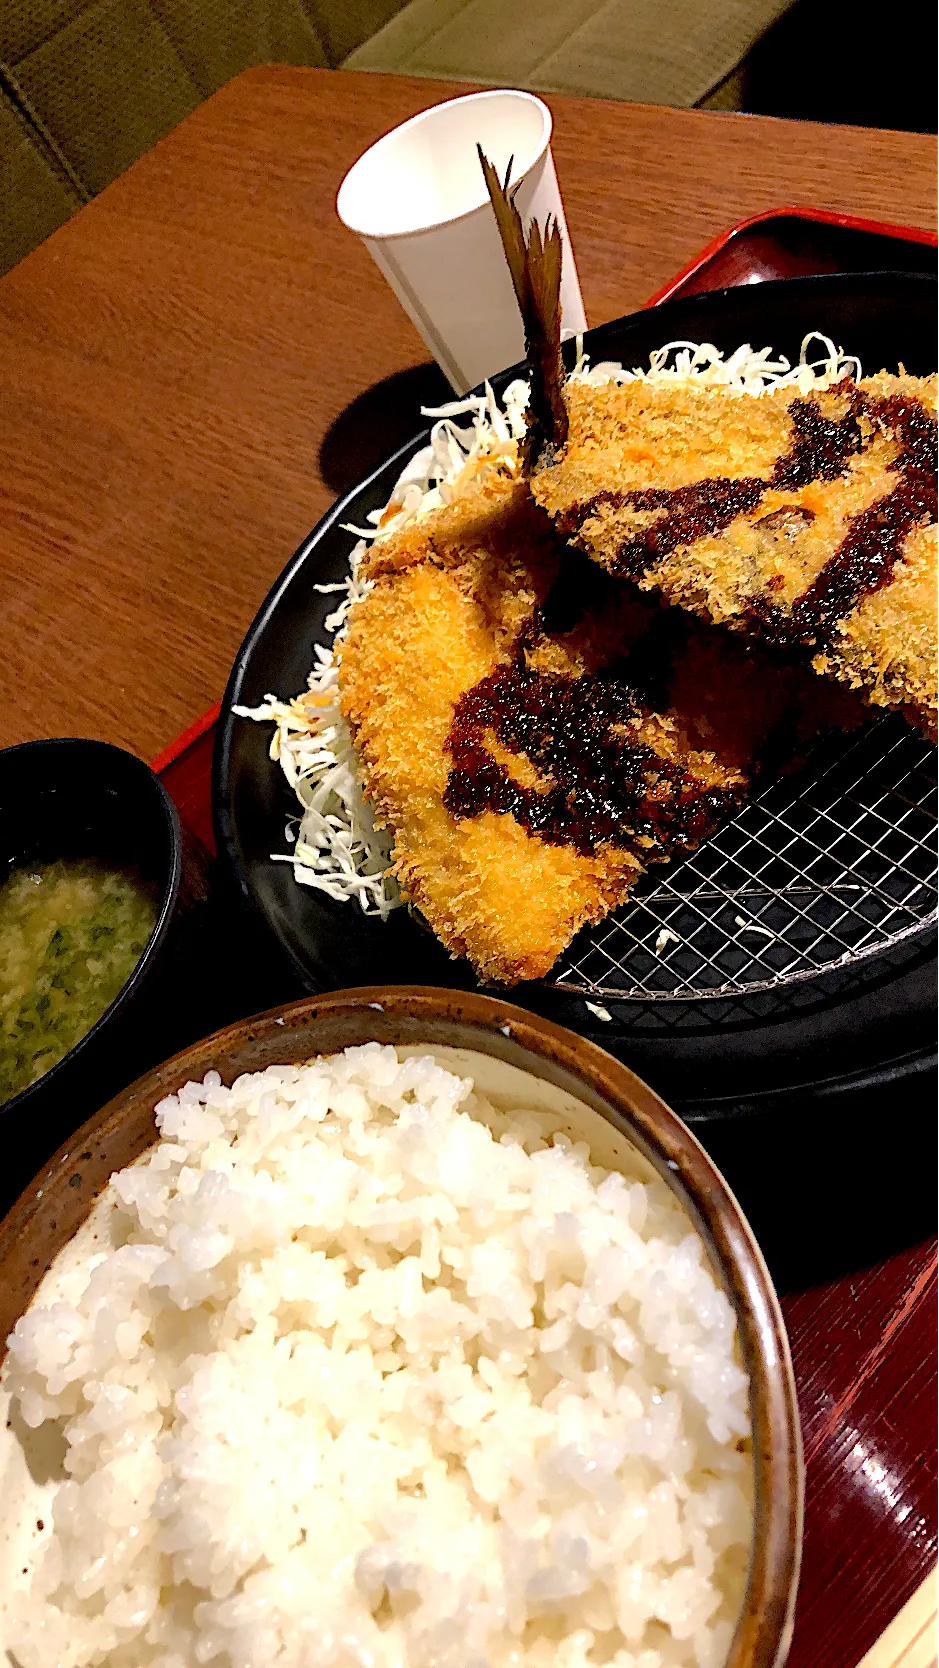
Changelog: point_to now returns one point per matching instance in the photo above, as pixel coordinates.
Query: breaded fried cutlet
(806, 522)
(534, 734)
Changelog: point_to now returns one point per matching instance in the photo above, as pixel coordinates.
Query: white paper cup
(418, 200)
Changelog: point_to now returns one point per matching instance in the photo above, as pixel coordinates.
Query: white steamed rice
(373, 1375)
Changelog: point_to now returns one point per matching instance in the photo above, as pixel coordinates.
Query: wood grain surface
(912, 1639)
(864, 1350)
(173, 358)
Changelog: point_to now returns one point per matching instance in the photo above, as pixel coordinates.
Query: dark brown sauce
(866, 557)
(821, 450)
(691, 513)
(605, 787)
(600, 785)
(822, 447)
(789, 520)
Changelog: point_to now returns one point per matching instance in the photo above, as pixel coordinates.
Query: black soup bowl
(66, 799)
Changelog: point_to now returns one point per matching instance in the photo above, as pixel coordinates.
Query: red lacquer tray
(864, 1346)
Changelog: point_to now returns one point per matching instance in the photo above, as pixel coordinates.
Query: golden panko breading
(807, 522)
(453, 596)
(503, 739)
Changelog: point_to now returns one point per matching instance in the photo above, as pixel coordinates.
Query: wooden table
(175, 365)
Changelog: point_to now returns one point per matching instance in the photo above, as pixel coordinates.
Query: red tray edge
(911, 234)
(883, 228)
(177, 748)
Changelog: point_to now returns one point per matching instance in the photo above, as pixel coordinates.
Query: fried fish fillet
(534, 734)
(807, 522)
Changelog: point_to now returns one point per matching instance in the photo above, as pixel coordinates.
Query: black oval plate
(884, 318)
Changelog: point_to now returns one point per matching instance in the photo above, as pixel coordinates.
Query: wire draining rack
(821, 870)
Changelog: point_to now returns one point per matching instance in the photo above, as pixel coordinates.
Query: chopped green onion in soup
(71, 934)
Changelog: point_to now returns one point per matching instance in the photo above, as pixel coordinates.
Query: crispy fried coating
(449, 600)
(806, 522)
(482, 590)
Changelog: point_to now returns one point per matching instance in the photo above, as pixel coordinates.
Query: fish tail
(534, 263)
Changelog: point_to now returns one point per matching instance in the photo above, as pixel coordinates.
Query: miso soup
(71, 934)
